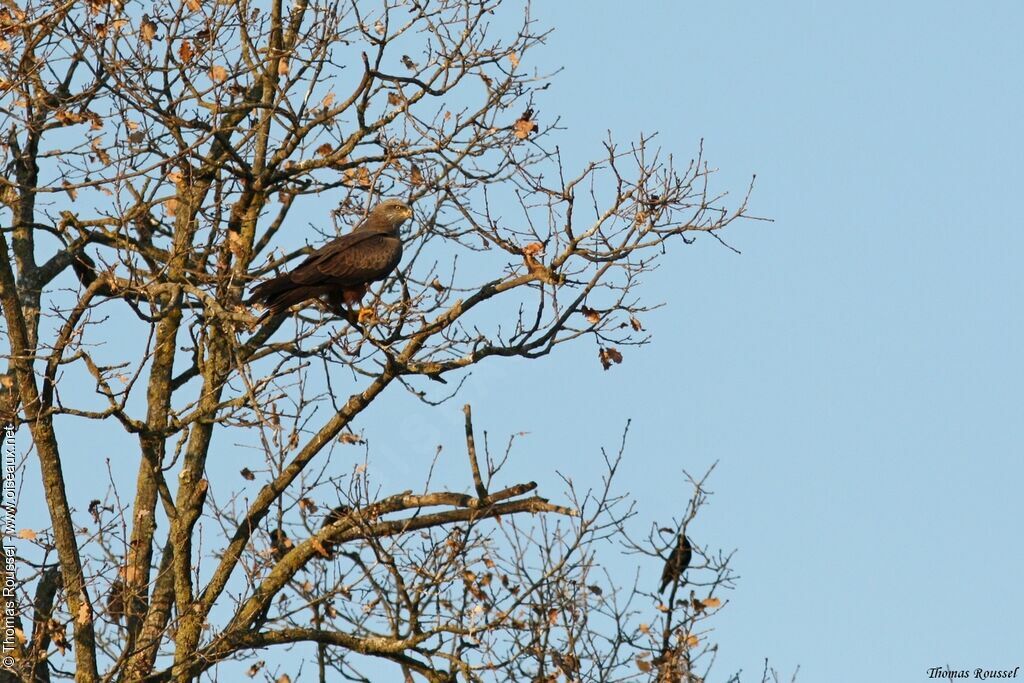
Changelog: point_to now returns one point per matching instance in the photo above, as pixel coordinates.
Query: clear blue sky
(856, 371)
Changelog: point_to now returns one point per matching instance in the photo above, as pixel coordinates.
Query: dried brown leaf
(104, 29)
(366, 316)
(415, 175)
(609, 356)
(69, 117)
(147, 30)
(185, 52)
(525, 125)
(358, 176)
(101, 153)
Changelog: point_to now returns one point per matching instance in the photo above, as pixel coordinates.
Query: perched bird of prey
(342, 269)
(677, 562)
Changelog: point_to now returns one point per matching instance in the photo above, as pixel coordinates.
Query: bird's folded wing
(358, 257)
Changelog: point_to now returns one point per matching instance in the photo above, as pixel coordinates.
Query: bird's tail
(666, 582)
(276, 294)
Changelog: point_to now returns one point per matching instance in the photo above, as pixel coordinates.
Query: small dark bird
(335, 515)
(342, 269)
(280, 544)
(677, 562)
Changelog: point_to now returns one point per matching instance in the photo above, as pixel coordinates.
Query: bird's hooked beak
(406, 217)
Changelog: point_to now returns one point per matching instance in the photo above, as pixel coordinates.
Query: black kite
(342, 269)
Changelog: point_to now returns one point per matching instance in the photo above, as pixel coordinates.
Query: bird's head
(393, 212)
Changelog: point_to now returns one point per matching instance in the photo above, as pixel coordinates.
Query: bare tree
(160, 158)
